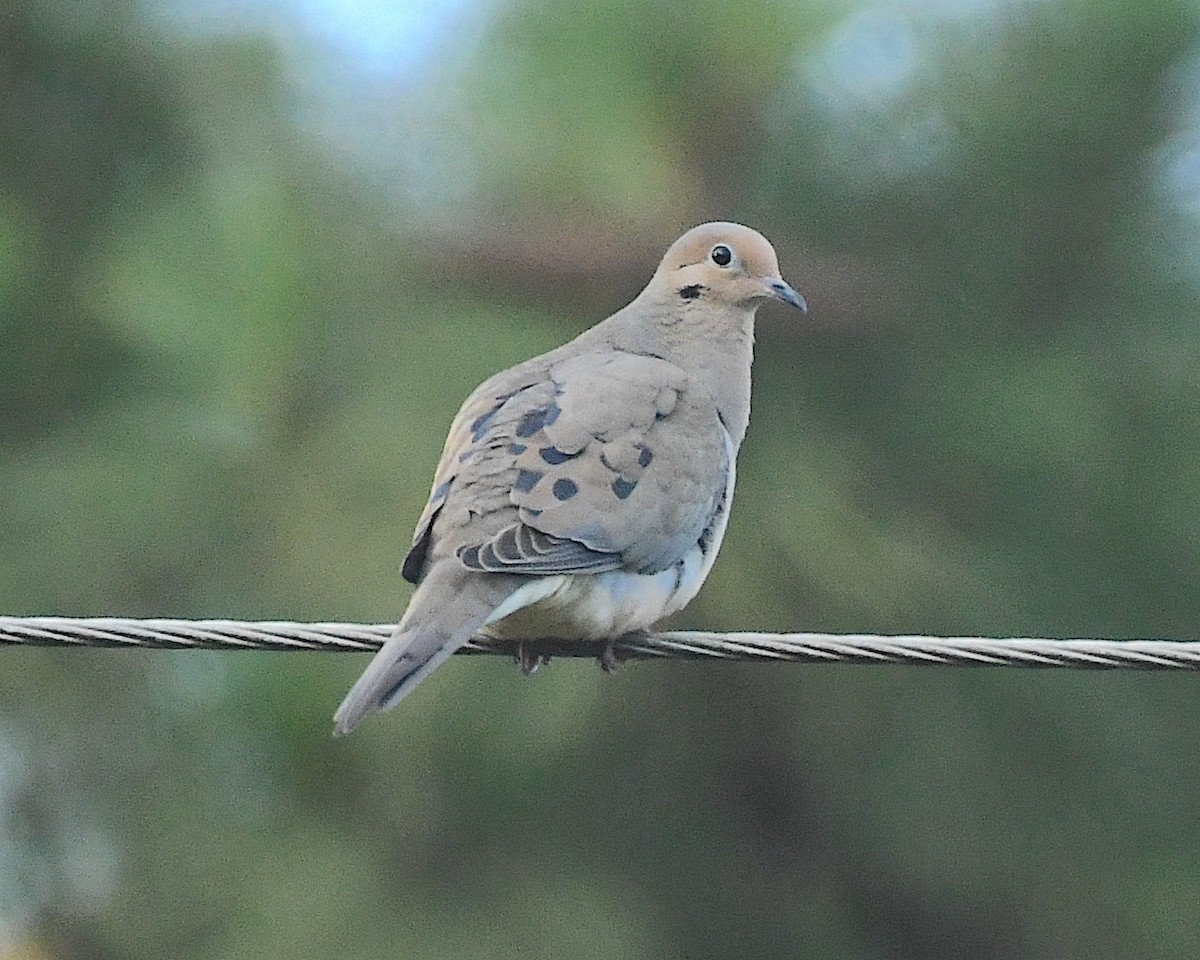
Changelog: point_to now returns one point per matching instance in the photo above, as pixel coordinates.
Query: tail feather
(447, 609)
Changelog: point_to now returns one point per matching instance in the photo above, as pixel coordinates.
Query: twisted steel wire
(164, 634)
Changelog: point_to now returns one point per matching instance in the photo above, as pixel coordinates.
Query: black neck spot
(692, 291)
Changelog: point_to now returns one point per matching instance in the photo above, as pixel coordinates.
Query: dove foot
(528, 660)
(611, 659)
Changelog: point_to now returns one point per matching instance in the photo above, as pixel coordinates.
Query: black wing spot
(691, 291)
(564, 489)
(645, 457)
(623, 488)
(531, 423)
(516, 449)
(555, 456)
(440, 491)
(527, 480)
(481, 424)
(534, 420)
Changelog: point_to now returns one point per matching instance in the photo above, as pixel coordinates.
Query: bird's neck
(711, 348)
(722, 364)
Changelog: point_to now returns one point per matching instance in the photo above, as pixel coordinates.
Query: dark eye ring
(721, 255)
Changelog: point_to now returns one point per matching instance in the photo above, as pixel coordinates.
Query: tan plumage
(584, 493)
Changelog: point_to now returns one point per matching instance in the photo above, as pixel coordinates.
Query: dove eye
(721, 255)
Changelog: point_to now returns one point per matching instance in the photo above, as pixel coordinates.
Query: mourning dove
(584, 494)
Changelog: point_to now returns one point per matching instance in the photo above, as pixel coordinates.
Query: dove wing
(602, 461)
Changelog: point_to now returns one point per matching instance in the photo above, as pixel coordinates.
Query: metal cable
(689, 645)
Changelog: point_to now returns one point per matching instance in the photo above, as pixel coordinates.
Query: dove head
(725, 264)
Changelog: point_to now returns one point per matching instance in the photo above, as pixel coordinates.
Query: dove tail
(444, 613)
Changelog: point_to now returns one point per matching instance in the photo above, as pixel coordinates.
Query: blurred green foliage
(243, 288)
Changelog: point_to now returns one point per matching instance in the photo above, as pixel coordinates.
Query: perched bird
(584, 494)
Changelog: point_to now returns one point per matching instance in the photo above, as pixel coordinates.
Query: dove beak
(779, 290)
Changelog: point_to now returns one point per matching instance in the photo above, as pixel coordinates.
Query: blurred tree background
(252, 256)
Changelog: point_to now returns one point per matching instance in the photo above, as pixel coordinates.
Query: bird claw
(611, 660)
(529, 661)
